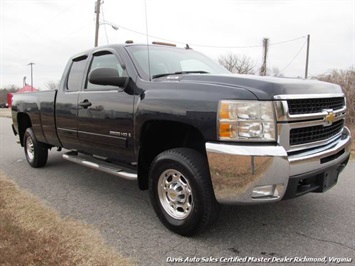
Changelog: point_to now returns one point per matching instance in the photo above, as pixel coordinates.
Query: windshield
(170, 60)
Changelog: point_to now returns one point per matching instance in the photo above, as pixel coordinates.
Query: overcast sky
(48, 32)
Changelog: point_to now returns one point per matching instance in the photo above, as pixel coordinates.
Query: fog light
(268, 191)
(263, 191)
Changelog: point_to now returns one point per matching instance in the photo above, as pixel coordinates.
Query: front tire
(181, 191)
(35, 151)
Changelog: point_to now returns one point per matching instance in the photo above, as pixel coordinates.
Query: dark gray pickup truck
(185, 128)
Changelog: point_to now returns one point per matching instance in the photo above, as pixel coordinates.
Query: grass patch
(33, 234)
(352, 129)
(352, 155)
(5, 112)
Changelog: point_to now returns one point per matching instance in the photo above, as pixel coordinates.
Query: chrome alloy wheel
(30, 148)
(175, 194)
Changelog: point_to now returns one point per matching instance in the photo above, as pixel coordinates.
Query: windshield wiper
(179, 72)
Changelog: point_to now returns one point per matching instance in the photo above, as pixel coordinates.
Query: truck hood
(264, 88)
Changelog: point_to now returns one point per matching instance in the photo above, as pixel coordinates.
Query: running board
(102, 166)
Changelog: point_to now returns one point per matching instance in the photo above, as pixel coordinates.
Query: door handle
(85, 104)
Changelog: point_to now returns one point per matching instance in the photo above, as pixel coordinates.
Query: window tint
(105, 61)
(76, 75)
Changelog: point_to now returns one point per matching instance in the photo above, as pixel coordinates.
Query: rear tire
(35, 151)
(181, 191)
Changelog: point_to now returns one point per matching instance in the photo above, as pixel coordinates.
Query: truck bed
(40, 107)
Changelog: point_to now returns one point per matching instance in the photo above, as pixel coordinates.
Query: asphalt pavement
(312, 227)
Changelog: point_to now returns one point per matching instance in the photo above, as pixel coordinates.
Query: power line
(209, 46)
(249, 46)
(292, 40)
(293, 58)
(103, 17)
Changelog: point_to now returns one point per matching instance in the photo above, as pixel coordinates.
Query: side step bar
(102, 166)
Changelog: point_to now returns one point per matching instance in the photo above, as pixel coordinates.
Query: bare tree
(5, 91)
(11, 88)
(346, 79)
(240, 64)
(275, 72)
(52, 85)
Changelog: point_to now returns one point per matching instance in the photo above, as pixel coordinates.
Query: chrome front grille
(308, 106)
(309, 121)
(315, 133)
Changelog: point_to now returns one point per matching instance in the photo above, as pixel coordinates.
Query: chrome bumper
(258, 174)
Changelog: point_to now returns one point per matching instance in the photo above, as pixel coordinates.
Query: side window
(106, 60)
(76, 74)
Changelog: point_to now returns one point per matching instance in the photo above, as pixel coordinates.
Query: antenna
(146, 29)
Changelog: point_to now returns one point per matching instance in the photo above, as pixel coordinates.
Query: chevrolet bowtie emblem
(330, 118)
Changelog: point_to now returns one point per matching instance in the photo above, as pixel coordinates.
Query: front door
(105, 114)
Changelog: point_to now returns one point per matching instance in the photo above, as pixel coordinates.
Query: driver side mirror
(106, 76)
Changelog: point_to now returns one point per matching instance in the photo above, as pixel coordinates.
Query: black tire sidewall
(40, 152)
(190, 224)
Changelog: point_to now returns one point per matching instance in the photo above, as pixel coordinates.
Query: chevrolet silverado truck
(188, 130)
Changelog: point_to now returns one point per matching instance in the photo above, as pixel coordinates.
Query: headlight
(246, 121)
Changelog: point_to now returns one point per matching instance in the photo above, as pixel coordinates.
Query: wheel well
(24, 122)
(159, 136)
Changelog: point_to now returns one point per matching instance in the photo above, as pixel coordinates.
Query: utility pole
(265, 50)
(97, 11)
(31, 64)
(307, 56)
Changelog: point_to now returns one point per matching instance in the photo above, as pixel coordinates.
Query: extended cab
(185, 128)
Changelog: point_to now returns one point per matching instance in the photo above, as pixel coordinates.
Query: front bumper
(244, 174)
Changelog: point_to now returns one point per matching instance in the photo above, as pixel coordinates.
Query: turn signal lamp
(246, 121)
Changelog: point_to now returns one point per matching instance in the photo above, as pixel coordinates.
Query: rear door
(105, 113)
(67, 102)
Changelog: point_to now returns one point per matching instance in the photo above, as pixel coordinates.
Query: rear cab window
(76, 74)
